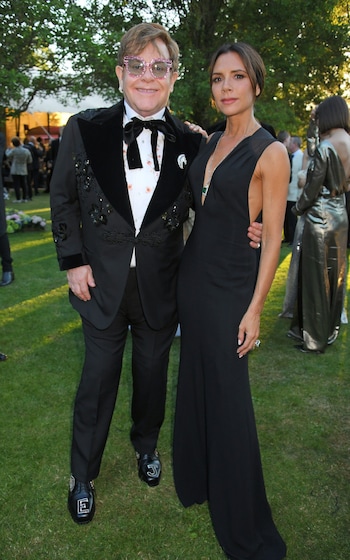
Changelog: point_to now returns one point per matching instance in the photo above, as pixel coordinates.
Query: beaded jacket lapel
(103, 141)
(102, 135)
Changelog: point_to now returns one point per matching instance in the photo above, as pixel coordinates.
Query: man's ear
(119, 73)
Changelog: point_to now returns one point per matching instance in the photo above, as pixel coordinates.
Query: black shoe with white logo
(150, 468)
(81, 501)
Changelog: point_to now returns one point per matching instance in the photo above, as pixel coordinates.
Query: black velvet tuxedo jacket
(92, 220)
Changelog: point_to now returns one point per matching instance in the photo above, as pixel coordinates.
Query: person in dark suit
(118, 201)
(5, 250)
(34, 167)
(51, 157)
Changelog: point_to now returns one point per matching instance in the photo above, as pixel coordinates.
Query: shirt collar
(130, 113)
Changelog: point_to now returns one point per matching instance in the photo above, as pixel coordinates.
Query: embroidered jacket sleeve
(65, 207)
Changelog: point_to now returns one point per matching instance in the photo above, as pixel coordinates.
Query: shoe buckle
(153, 470)
(83, 507)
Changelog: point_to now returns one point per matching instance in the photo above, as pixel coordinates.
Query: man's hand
(255, 234)
(79, 281)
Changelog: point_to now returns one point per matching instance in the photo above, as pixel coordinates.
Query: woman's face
(231, 86)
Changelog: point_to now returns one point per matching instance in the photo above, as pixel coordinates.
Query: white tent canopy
(52, 105)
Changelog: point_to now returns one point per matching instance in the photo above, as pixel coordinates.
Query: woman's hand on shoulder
(197, 128)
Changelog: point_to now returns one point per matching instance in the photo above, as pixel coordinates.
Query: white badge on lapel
(182, 161)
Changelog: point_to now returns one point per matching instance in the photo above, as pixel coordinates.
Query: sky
(50, 104)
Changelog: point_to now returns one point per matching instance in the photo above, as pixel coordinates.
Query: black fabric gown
(216, 451)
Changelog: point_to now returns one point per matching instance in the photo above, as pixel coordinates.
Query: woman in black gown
(238, 174)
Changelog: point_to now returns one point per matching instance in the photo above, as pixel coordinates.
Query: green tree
(39, 44)
(69, 47)
(304, 45)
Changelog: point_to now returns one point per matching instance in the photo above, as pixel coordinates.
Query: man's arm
(65, 206)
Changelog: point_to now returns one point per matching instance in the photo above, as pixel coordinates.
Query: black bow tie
(131, 131)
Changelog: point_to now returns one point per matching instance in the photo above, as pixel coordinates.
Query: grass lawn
(302, 411)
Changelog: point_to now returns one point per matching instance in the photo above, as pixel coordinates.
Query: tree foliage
(39, 45)
(304, 45)
(70, 47)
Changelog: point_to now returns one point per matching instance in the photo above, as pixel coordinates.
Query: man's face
(146, 94)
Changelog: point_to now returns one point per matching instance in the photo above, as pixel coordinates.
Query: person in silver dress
(322, 267)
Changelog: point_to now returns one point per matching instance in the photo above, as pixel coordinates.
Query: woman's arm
(269, 190)
(314, 180)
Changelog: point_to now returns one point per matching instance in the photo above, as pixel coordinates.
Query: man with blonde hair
(118, 205)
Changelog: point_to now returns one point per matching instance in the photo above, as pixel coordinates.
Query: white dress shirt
(143, 181)
(297, 162)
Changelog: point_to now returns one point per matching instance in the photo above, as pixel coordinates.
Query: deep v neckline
(206, 186)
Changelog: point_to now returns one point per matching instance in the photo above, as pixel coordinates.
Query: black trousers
(33, 182)
(5, 253)
(20, 182)
(97, 391)
(290, 222)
